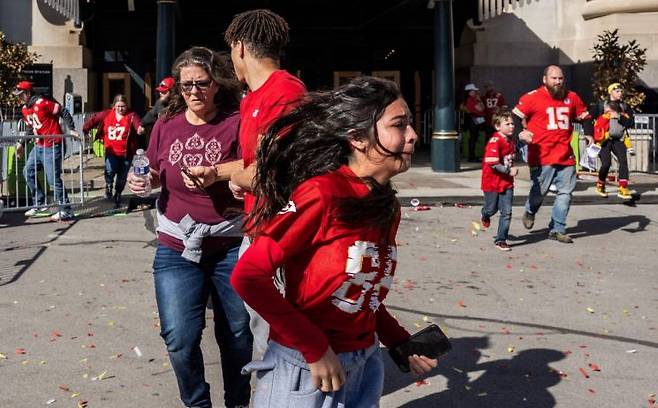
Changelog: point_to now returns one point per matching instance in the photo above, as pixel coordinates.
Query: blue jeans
(284, 380)
(494, 202)
(116, 166)
(181, 289)
(564, 178)
(50, 160)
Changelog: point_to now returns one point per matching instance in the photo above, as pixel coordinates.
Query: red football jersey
(498, 150)
(276, 97)
(116, 132)
(337, 275)
(551, 123)
(475, 107)
(492, 101)
(43, 118)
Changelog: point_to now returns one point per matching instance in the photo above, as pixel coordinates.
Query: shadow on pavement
(520, 381)
(587, 228)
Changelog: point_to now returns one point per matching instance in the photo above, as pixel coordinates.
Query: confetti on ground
(583, 372)
(3, 357)
(100, 376)
(594, 367)
(137, 351)
(82, 404)
(20, 351)
(591, 391)
(422, 382)
(64, 388)
(510, 348)
(590, 310)
(461, 303)
(50, 401)
(631, 351)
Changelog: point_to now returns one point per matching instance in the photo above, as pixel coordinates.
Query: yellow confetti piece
(626, 312)
(590, 310)
(120, 308)
(75, 395)
(42, 362)
(426, 319)
(476, 226)
(111, 323)
(2, 356)
(418, 325)
(510, 348)
(84, 360)
(85, 375)
(165, 364)
(25, 362)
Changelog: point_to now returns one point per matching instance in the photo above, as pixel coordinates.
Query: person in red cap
(41, 114)
(164, 89)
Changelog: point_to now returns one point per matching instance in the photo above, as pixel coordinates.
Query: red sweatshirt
(337, 275)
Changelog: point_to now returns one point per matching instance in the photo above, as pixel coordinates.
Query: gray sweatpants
(284, 380)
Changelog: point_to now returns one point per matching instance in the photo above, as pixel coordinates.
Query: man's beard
(558, 92)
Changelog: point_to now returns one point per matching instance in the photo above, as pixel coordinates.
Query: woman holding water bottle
(198, 228)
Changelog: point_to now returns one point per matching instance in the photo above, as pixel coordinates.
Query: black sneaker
(560, 237)
(503, 246)
(108, 193)
(528, 220)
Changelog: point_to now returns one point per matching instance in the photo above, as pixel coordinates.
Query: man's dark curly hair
(262, 31)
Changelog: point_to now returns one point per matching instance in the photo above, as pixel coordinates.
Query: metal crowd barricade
(14, 190)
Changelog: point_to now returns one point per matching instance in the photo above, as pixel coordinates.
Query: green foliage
(13, 58)
(614, 62)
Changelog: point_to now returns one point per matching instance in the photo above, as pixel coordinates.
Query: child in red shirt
(498, 173)
(326, 213)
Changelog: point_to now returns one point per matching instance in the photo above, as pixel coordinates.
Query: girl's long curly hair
(315, 139)
(219, 68)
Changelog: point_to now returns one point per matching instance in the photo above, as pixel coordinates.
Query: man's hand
(420, 365)
(74, 133)
(526, 136)
(327, 373)
(588, 139)
(513, 171)
(206, 175)
(238, 192)
(140, 130)
(19, 150)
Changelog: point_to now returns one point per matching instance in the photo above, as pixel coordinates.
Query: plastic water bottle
(142, 169)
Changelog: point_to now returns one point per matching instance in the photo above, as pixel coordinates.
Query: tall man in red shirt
(42, 114)
(256, 38)
(549, 112)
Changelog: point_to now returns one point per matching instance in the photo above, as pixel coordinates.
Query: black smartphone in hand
(430, 342)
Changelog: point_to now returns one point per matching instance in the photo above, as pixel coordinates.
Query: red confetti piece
(505, 330)
(582, 346)
(64, 388)
(594, 367)
(408, 285)
(508, 266)
(461, 303)
(591, 391)
(21, 351)
(567, 352)
(421, 383)
(533, 267)
(583, 372)
(55, 333)
(90, 334)
(423, 208)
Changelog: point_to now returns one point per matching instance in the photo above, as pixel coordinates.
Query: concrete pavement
(76, 299)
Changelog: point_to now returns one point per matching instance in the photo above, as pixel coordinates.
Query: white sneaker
(61, 216)
(35, 211)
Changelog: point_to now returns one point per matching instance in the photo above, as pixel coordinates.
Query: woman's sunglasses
(200, 85)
